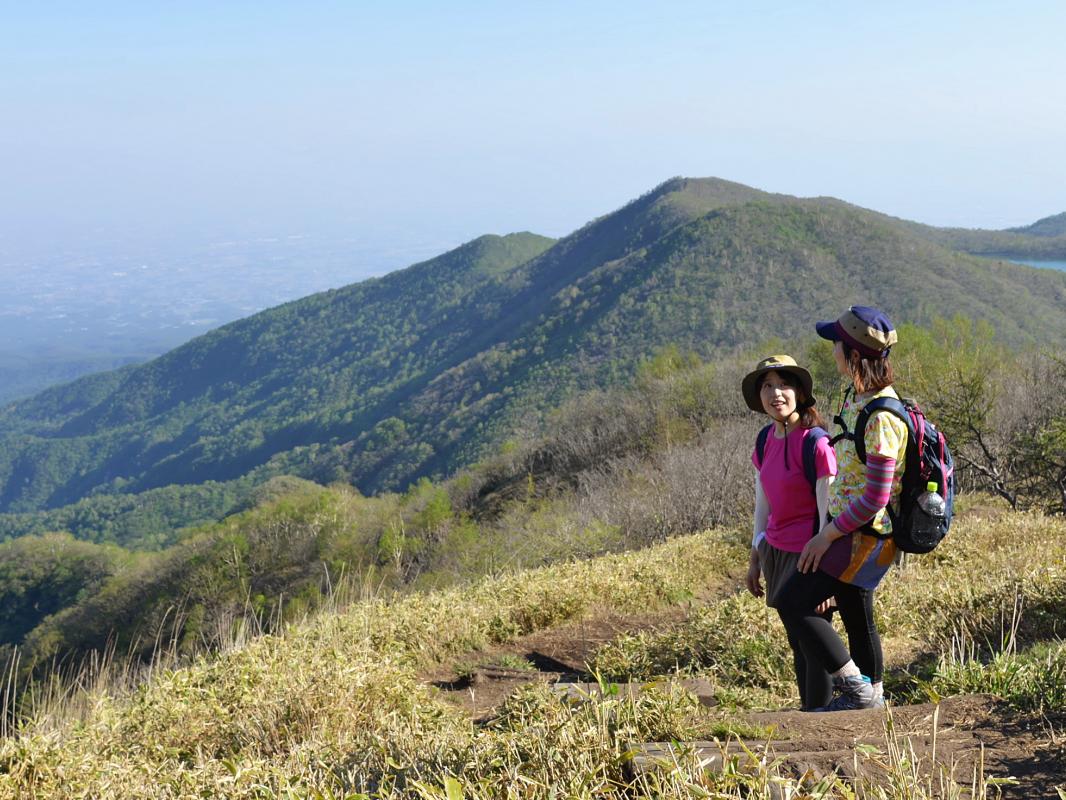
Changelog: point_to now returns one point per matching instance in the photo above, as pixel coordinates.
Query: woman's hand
(825, 605)
(753, 578)
(813, 551)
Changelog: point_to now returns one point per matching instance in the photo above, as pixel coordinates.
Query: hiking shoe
(853, 692)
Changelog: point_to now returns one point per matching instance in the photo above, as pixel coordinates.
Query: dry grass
(333, 709)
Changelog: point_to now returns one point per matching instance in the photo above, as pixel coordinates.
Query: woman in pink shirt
(795, 466)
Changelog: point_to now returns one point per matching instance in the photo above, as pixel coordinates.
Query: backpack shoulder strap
(893, 406)
(760, 443)
(810, 444)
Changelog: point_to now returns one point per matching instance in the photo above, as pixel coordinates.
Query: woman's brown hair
(868, 374)
(809, 416)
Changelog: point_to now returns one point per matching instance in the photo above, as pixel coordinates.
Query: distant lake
(1045, 264)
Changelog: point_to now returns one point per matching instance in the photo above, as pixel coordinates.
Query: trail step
(849, 743)
(868, 758)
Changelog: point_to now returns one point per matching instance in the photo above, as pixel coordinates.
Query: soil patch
(479, 681)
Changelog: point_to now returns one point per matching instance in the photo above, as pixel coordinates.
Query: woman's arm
(886, 441)
(878, 490)
(875, 496)
(821, 494)
(762, 514)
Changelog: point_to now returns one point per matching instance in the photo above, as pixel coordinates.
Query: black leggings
(815, 634)
(815, 685)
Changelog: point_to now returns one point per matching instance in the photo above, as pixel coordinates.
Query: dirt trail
(969, 728)
(481, 680)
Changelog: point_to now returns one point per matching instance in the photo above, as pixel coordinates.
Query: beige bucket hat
(749, 386)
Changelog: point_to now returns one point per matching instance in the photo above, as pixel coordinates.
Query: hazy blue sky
(418, 121)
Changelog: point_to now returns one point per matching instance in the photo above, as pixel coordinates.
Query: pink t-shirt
(793, 508)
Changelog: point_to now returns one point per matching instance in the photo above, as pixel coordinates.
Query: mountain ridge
(831, 292)
(1054, 225)
(417, 372)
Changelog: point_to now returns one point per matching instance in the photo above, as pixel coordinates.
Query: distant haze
(155, 125)
(186, 164)
(67, 313)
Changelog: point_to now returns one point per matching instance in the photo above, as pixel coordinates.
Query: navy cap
(862, 328)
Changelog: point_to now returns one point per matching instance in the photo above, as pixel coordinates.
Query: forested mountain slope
(326, 368)
(1048, 226)
(226, 401)
(415, 373)
(737, 275)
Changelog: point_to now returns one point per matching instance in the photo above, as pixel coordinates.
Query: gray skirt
(777, 567)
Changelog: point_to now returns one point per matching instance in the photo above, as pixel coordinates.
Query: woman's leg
(817, 638)
(819, 681)
(799, 666)
(815, 684)
(857, 613)
(799, 598)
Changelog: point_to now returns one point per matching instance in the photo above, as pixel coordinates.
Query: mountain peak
(709, 191)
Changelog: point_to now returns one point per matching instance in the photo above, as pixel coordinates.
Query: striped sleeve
(877, 492)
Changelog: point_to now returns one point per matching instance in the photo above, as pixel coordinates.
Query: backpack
(810, 442)
(927, 459)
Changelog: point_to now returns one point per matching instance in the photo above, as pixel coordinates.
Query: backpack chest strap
(844, 432)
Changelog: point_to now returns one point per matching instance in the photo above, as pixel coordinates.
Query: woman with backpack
(794, 466)
(851, 554)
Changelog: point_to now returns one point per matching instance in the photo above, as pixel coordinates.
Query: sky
(412, 124)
